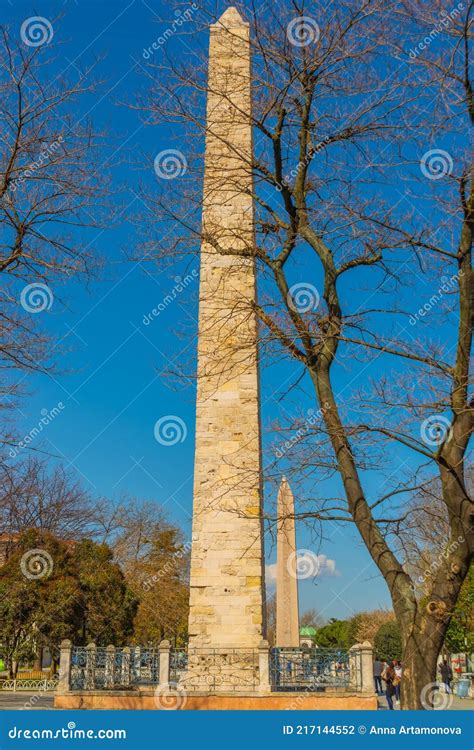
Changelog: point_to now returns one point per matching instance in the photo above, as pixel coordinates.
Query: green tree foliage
(460, 634)
(334, 635)
(388, 642)
(75, 591)
(101, 580)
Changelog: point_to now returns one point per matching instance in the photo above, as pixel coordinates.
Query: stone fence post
(65, 658)
(367, 667)
(164, 649)
(264, 667)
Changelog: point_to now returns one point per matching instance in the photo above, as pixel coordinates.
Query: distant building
(308, 636)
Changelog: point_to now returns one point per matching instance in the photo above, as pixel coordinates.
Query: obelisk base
(221, 669)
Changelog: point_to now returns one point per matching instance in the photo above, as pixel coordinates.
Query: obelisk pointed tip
(284, 489)
(231, 17)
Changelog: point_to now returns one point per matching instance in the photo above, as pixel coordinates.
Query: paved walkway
(458, 704)
(25, 701)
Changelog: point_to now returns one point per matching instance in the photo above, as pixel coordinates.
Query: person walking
(378, 669)
(397, 667)
(446, 675)
(388, 675)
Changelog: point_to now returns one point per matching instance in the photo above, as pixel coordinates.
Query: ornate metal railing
(316, 669)
(216, 669)
(178, 665)
(32, 685)
(96, 668)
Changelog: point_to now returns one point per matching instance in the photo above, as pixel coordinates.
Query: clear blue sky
(113, 381)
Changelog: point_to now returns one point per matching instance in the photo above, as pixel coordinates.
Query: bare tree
(34, 496)
(364, 215)
(52, 192)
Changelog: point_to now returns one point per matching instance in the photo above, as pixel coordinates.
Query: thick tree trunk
(38, 665)
(421, 647)
(419, 675)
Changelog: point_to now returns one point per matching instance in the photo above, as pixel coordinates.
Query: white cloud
(320, 565)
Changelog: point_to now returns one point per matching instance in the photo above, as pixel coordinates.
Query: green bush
(388, 642)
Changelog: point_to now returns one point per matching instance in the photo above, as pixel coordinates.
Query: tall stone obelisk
(287, 617)
(227, 583)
